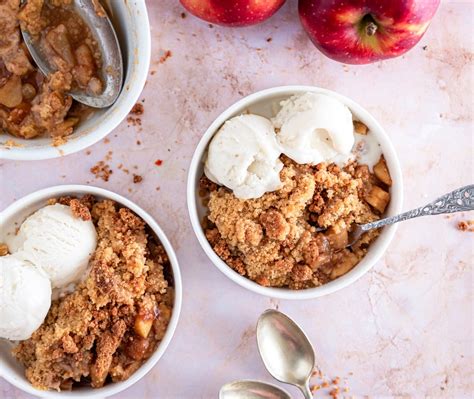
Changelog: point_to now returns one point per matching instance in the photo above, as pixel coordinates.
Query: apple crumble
(113, 321)
(32, 104)
(296, 236)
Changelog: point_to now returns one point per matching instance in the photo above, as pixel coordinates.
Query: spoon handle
(306, 391)
(458, 200)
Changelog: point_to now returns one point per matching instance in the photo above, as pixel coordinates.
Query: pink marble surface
(404, 329)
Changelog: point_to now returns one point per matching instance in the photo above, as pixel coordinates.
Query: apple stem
(370, 28)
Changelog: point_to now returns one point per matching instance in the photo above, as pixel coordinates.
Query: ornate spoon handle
(458, 200)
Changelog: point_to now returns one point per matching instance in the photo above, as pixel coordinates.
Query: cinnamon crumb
(139, 142)
(334, 393)
(269, 39)
(183, 15)
(138, 109)
(106, 140)
(88, 152)
(466, 225)
(134, 121)
(137, 178)
(165, 56)
(325, 384)
(101, 170)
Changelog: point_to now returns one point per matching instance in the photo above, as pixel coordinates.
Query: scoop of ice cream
(314, 128)
(25, 297)
(244, 156)
(56, 241)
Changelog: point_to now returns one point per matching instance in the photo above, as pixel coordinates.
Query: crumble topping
(296, 236)
(115, 318)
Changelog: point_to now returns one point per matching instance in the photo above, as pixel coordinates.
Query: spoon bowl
(111, 73)
(285, 350)
(247, 389)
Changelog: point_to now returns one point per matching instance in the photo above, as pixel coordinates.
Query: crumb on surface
(137, 109)
(159, 162)
(101, 170)
(466, 225)
(167, 54)
(137, 178)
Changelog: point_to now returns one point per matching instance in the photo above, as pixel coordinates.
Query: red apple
(233, 12)
(364, 31)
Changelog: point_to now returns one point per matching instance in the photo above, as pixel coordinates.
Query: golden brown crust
(85, 336)
(275, 240)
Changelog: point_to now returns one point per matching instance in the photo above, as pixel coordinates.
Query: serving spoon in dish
(103, 31)
(248, 389)
(458, 200)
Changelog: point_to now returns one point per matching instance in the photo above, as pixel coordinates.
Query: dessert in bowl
(278, 182)
(38, 117)
(91, 292)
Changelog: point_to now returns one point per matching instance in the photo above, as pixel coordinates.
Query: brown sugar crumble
(101, 170)
(137, 109)
(80, 210)
(466, 225)
(275, 240)
(167, 54)
(115, 319)
(137, 178)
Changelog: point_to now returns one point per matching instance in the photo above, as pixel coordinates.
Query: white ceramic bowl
(266, 103)
(130, 19)
(11, 218)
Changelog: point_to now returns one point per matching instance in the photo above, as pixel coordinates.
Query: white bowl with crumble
(38, 118)
(278, 182)
(91, 293)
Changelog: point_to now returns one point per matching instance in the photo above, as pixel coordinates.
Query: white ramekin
(11, 218)
(130, 19)
(266, 103)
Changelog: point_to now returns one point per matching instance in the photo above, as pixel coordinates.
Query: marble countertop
(406, 327)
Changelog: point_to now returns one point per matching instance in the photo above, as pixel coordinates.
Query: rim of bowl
(114, 118)
(376, 249)
(115, 387)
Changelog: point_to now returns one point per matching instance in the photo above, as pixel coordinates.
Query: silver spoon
(458, 200)
(285, 350)
(247, 389)
(112, 64)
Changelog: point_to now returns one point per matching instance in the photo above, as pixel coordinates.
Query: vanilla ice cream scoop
(314, 128)
(56, 241)
(244, 156)
(25, 297)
